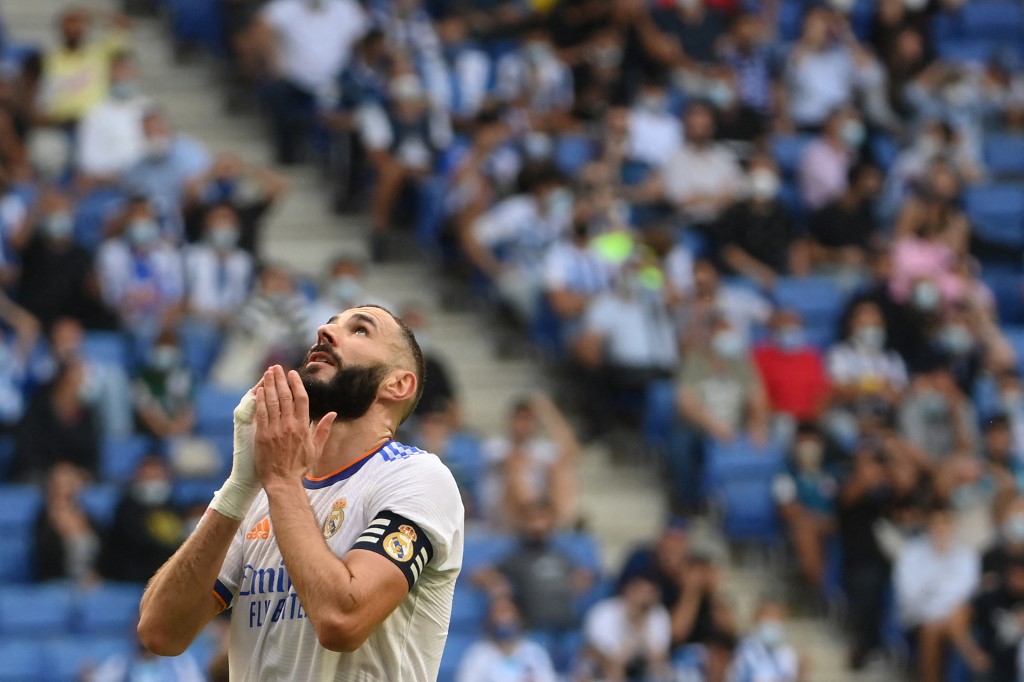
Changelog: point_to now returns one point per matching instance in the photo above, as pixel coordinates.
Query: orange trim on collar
(372, 451)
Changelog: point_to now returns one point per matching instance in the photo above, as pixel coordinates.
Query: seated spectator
(628, 636)
(843, 230)
(936, 417)
(140, 273)
(543, 580)
(1011, 400)
(59, 426)
(1004, 464)
(440, 391)
(272, 327)
(147, 528)
(738, 124)
(933, 579)
(535, 79)
(141, 664)
(436, 431)
(403, 140)
(163, 391)
(765, 655)
(1008, 547)
(303, 47)
(993, 634)
(745, 51)
(792, 370)
(711, 299)
(522, 227)
(171, 160)
(663, 562)
(525, 467)
(654, 132)
(57, 274)
(756, 236)
(826, 160)
(344, 288)
(867, 379)
(66, 543)
(704, 177)
(218, 272)
(251, 190)
(505, 653)
(110, 138)
(76, 75)
(937, 140)
(720, 392)
(806, 496)
(459, 86)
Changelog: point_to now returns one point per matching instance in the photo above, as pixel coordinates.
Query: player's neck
(349, 441)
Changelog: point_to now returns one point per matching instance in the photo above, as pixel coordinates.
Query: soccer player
(337, 546)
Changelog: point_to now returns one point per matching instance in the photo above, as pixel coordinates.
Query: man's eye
(362, 330)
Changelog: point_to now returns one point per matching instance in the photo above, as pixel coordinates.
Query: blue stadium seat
(1004, 154)
(819, 300)
(100, 502)
(992, 20)
(884, 150)
(997, 213)
(965, 50)
(15, 557)
(740, 479)
(67, 658)
(469, 610)
(582, 548)
(790, 19)
(214, 410)
(659, 413)
(109, 609)
(634, 172)
(1008, 290)
(120, 457)
(106, 347)
(20, 660)
(787, 150)
(484, 549)
(192, 491)
(19, 506)
(572, 152)
(27, 610)
(454, 650)
(199, 342)
(91, 214)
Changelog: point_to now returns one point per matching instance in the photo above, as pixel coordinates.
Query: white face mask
(346, 288)
(926, 296)
(224, 237)
(143, 232)
(872, 338)
(764, 184)
(558, 205)
(152, 493)
(727, 344)
(771, 633)
(853, 133)
(158, 147)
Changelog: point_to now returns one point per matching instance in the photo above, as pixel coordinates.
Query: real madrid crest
(332, 524)
(399, 546)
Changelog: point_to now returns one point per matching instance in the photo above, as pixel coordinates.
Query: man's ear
(399, 386)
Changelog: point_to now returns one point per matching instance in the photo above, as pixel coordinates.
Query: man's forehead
(377, 317)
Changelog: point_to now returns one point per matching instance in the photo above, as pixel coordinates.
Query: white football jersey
(397, 500)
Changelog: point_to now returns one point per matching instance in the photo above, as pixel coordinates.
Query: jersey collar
(344, 472)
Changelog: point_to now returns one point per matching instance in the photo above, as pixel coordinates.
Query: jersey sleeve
(421, 494)
(227, 584)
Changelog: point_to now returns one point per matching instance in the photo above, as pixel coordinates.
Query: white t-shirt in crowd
(541, 455)
(110, 137)
(527, 662)
(608, 630)
(692, 173)
(217, 284)
(930, 585)
(653, 137)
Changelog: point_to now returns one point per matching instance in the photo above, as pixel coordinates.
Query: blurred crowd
(777, 244)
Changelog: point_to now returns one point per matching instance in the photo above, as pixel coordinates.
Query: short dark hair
(413, 346)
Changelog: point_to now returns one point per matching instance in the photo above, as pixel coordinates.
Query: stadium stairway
(620, 504)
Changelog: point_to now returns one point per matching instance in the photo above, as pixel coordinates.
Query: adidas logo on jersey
(261, 531)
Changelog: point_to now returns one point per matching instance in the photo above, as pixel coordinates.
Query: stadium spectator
(994, 619)
(302, 45)
(744, 50)
(440, 390)
(711, 299)
(701, 196)
(76, 75)
(533, 78)
(66, 542)
(792, 370)
(141, 664)
(663, 561)
(147, 528)
(505, 653)
(59, 426)
(58, 276)
(343, 288)
(527, 466)
(110, 138)
(765, 655)
(756, 236)
(437, 431)
(702, 619)
(218, 272)
(826, 160)
(163, 391)
(936, 417)
(936, 141)
(1003, 462)
(806, 496)
(251, 190)
(459, 86)
(628, 637)
(1009, 545)
(654, 132)
(844, 230)
(933, 579)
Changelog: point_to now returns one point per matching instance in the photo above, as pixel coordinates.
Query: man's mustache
(325, 349)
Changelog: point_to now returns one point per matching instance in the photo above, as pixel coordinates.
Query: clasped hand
(286, 445)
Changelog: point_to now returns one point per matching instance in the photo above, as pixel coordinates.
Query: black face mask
(349, 393)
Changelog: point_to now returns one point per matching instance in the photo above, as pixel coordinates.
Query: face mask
(123, 90)
(157, 147)
(791, 338)
(1013, 528)
(222, 190)
(165, 357)
(727, 344)
(929, 147)
(915, 5)
(152, 493)
(655, 104)
(224, 237)
(721, 95)
(808, 453)
(558, 205)
(1011, 401)
(607, 57)
(88, 391)
(505, 632)
(346, 288)
(771, 633)
(536, 52)
(958, 94)
(59, 225)
(933, 404)
(956, 338)
(872, 338)
(764, 184)
(143, 232)
(853, 133)
(537, 146)
(926, 296)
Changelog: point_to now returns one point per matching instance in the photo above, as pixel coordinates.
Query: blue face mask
(791, 339)
(505, 632)
(222, 190)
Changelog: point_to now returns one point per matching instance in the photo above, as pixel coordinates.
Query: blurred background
(723, 305)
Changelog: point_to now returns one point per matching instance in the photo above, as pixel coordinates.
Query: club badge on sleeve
(332, 524)
(399, 545)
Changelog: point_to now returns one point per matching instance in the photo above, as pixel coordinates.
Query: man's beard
(349, 393)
